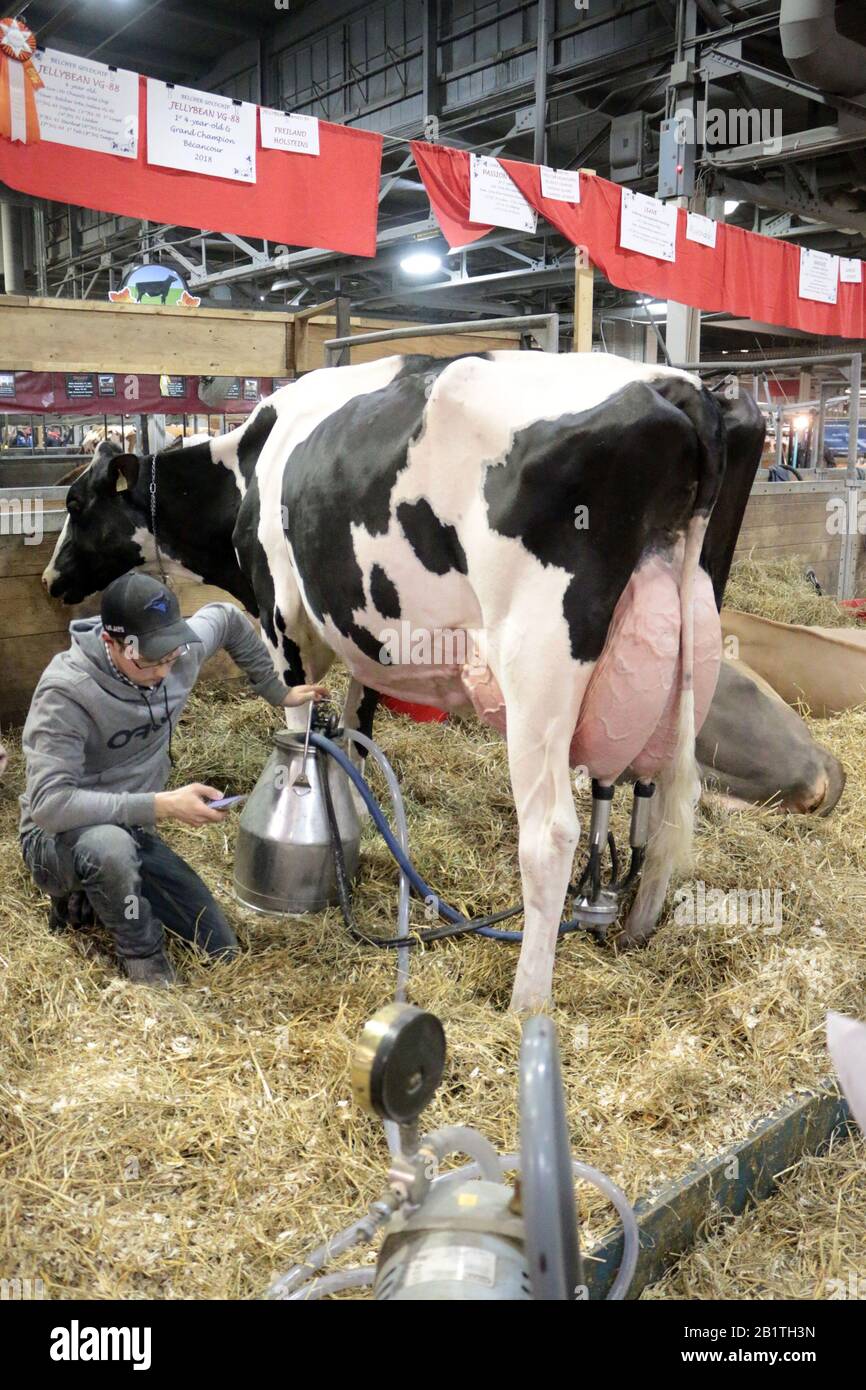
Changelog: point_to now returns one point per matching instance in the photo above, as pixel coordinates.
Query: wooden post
(583, 292)
(584, 276)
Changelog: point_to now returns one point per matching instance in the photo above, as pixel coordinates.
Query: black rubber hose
(344, 893)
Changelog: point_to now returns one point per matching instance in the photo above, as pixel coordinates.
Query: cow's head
(98, 541)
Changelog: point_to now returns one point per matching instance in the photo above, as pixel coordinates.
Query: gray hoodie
(96, 747)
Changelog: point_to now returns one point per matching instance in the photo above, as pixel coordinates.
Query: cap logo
(160, 603)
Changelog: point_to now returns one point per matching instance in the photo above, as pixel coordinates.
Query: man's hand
(300, 694)
(189, 804)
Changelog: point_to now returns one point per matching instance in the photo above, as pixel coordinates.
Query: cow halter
(162, 574)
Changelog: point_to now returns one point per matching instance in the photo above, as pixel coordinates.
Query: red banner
(118, 393)
(328, 200)
(755, 277)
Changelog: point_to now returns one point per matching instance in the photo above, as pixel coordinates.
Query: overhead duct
(816, 52)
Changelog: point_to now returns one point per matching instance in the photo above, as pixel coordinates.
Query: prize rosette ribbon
(19, 83)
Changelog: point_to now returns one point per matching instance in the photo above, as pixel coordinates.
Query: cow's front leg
(299, 658)
(540, 729)
(359, 708)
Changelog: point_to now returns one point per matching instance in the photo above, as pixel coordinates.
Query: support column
(545, 11)
(429, 60)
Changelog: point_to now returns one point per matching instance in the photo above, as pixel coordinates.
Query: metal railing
(853, 491)
(548, 337)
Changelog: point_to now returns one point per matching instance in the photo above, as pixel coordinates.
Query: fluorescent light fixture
(731, 205)
(420, 263)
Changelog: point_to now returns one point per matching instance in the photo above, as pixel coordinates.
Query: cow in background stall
(125, 438)
(552, 509)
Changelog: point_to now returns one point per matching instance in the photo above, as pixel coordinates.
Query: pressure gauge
(398, 1062)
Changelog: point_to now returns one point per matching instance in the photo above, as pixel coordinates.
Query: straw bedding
(196, 1142)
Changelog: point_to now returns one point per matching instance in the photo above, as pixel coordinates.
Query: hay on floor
(779, 589)
(197, 1142)
(806, 1241)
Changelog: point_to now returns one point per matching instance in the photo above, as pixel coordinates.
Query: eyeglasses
(168, 660)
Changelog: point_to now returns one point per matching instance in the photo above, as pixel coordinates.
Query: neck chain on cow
(162, 574)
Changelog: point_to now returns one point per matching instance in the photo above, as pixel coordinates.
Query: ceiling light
(802, 422)
(731, 205)
(421, 263)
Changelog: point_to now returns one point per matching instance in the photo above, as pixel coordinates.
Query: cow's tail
(671, 844)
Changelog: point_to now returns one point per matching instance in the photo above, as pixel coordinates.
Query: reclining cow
(555, 505)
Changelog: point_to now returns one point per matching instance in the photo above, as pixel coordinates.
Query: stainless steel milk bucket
(283, 858)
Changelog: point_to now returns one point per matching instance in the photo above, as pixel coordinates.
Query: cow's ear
(123, 472)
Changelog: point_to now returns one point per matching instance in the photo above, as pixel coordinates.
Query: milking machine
(466, 1234)
(298, 846)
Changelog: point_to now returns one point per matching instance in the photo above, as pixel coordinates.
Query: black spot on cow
(635, 448)
(342, 475)
(384, 594)
(434, 542)
(744, 439)
(366, 709)
(365, 641)
(245, 540)
(253, 439)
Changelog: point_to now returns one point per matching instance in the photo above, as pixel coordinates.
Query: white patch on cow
(174, 569)
(50, 572)
(301, 406)
(224, 450)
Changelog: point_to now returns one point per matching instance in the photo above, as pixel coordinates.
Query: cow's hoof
(632, 939)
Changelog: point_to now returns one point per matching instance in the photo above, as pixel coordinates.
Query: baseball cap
(137, 608)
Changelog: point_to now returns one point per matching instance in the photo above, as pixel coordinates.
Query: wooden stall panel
(777, 526)
(44, 335)
(34, 628)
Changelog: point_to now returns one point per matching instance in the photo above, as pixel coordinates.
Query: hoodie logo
(160, 603)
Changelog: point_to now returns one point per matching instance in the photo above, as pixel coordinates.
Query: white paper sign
(702, 229)
(819, 276)
(648, 226)
(297, 134)
(87, 105)
(200, 132)
(850, 272)
(563, 185)
(494, 198)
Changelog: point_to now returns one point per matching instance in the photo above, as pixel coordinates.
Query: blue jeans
(135, 884)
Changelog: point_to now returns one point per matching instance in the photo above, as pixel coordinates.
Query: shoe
(58, 917)
(154, 970)
(73, 913)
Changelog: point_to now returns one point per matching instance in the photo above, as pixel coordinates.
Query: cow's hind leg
(540, 727)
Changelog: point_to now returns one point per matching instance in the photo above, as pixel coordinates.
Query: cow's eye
(73, 505)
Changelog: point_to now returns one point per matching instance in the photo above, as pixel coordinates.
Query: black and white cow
(549, 509)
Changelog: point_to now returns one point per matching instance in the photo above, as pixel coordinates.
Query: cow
(114, 434)
(823, 668)
(754, 750)
(556, 507)
(159, 288)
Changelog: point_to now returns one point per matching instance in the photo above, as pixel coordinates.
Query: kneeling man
(97, 745)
